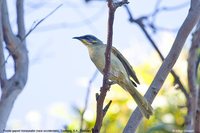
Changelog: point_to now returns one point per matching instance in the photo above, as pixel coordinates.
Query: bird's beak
(79, 38)
(82, 39)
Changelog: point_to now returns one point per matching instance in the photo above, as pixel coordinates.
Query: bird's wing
(126, 65)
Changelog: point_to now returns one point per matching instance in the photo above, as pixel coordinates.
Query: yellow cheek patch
(85, 41)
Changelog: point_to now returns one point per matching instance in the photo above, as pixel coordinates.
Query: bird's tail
(143, 104)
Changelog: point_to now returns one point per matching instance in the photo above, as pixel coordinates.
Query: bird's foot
(110, 82)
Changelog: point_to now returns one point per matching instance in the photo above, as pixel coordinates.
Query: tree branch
(13, 86)
(197, 118)
(193, 108)
(20, 19)
(105, 87)
(16, 46)
(2, 58)
(9, 36)
(190, 21)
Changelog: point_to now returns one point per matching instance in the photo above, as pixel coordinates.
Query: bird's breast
(117, 70)
(98, 57)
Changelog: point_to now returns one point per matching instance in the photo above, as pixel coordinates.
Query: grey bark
(11, 88)
(193, 122)
(190, 21)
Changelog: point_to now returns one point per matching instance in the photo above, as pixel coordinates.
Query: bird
(120, 73)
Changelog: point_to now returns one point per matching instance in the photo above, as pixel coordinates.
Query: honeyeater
(121, 71)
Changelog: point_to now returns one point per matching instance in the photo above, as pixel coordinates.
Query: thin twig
(140, 23)
(106, 108)
(160, 9)
(32, 29)
(87, 97)
(41, 21)
(157, 10)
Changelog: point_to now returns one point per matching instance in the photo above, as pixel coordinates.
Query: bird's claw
(109, 82)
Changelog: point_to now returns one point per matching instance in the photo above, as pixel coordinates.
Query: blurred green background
(169, 105)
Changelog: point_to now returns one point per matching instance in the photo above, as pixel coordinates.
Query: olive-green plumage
(121, 71)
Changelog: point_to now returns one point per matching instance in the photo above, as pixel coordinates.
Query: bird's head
(89, 40)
